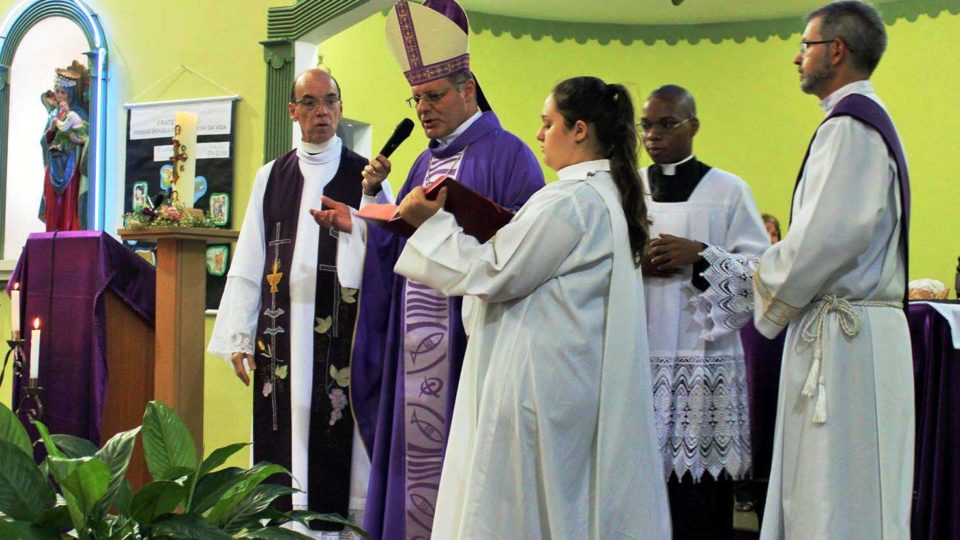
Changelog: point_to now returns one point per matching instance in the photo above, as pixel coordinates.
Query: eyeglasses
(665, 126)
(310, 103)
(430, 97)
(805, 44)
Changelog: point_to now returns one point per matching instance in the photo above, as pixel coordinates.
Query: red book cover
(477, 215)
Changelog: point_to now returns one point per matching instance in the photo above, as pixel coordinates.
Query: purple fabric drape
(936, 474)
(936, 372)
(63, 276)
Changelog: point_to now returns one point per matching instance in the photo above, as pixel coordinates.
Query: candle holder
(34, 391)
(15, 348)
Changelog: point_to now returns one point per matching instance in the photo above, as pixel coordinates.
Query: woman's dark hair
(608, 109)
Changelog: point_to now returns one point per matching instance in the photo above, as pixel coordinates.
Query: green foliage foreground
(188, 497)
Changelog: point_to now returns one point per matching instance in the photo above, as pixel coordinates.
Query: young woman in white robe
(552, 434)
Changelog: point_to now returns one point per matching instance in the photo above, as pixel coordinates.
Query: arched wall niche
(18, 23)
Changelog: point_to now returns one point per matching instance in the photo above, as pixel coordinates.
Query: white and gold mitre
(429, 41)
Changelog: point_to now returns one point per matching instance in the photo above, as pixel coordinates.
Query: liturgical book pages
(477, 215)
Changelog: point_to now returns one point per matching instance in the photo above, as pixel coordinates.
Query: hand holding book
(477, 215)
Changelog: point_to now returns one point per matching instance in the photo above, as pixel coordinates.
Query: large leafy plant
(90, 498)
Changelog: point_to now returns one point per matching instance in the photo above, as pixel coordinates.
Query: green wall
(755, 121)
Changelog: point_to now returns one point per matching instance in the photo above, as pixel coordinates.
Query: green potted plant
(188, 497)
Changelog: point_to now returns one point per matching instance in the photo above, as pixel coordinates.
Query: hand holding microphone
(379, 167)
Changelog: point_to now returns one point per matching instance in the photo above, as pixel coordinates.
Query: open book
(477, 215)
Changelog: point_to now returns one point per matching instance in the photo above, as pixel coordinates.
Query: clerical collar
(670, 169)
(320, 153)
(445, 141)
(857, 87)
(579, 171)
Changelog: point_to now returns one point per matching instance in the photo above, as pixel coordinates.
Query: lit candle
(15, 309)
(187, 122)
(35, 349)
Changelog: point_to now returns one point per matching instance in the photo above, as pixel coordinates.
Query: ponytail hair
(608, 109)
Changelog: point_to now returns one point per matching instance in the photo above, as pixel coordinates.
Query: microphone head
(404, 128)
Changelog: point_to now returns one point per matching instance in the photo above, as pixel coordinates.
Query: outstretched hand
(416, 208)
(336, 215)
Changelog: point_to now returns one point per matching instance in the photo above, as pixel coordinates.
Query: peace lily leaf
(12, 431)
(219, 456)
(188, 527)
(156, 499)
(211, 487)
(167, 444)
(83, 481)
(116, 453)
(247, 512)
(22, 530)
(251, 478)
(274, 533)
(306, 516)
(24, 492)
(48, 443)
(74, 447)
(323, 325)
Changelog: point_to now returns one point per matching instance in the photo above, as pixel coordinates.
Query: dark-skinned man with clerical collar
(700, 394)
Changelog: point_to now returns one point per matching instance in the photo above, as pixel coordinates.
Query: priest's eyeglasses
(430, 97)
(805, 44)
(310, 103)
(665, 126)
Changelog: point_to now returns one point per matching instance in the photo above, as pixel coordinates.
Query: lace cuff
(727, 304)
(236, 319)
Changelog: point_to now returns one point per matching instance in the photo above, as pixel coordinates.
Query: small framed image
(139, 197)
(217, 260)
(220, 208)
(166, 177)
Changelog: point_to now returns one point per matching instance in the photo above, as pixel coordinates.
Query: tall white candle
(35, 349)
(187, 121)
(15, 309)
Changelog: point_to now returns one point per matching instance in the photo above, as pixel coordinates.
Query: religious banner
(149, 170)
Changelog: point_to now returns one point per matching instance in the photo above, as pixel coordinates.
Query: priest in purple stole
(410, 340)
(285, 315)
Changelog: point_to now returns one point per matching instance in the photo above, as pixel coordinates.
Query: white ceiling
(646, 12)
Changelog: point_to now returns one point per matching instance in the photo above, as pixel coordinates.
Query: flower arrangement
(168, 213)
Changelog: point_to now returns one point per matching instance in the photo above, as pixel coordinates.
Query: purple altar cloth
(936, 372)
(936, 473)
(73, 362)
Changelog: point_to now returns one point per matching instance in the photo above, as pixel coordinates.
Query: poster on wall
(149, 171)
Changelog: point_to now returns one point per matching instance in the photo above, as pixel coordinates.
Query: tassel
(820, 409)
(810, 385)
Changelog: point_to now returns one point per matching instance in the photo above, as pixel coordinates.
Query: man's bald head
(680, 96)
(315, 105)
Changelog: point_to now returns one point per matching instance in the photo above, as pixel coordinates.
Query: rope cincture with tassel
(812, 332)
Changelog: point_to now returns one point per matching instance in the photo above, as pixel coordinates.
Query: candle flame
(36, 323)
(16, 285)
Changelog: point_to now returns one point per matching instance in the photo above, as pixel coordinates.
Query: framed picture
(139, 197)
(217, 260)
(220, 208)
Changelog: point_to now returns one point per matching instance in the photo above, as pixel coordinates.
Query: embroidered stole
(331, 422)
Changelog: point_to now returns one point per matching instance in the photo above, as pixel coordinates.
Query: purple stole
(869, 112)
(331, 420)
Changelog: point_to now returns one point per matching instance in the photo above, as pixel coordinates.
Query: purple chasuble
(400, 321)
(331, 421)
(865, 110)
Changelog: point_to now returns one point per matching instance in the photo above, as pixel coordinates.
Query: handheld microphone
(400, 134)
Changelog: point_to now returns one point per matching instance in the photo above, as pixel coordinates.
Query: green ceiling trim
(294, 22)
(739, 32)
(277, 134)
